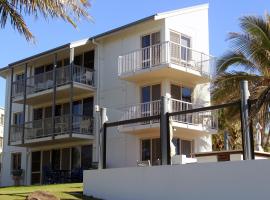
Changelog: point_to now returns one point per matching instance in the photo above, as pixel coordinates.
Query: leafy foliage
(248, 59)
(68, 10)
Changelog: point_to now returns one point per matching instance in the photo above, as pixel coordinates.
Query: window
(18, 118)
(150, 150)
(2, 120)
(76, 159)
(180, 47)
(16, 161)
(150, 56)
(86, 157)
(185, 48)
(56, 159)
(36, 167)
(89, 59)
(181, 93)
(65, 161)
(19, 86)
(149, 94)
(78, 60)
(183, 147)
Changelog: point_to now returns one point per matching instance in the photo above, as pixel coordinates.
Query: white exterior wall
(6, 177)
(225, 180)
(123, 149)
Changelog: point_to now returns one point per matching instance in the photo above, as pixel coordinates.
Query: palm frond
(234, 59)
(70, 11)
(7, 11)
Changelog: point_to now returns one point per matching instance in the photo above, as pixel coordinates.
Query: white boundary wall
(209, 181)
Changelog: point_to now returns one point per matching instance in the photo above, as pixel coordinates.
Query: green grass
(71, 191)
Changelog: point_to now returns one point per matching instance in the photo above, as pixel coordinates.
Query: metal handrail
(165, 52)
(44, 81)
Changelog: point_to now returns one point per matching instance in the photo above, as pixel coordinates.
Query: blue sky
(223, 18)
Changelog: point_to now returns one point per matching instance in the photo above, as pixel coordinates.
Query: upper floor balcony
(40, 87)
(200, 122)
(167, 59)
(75, 127)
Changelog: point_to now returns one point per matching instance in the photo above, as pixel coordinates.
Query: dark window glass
(75, 161)
(145, 92)
(59, 63)
(58, 110)
(66, 61)
(77, 108)
(89, 59)
(176, 92)
(36, 157)
(16, 161)
(49, 67)
(46, 159)
(48, 112)
(78, 60)
(35, 178)
(146, 41)
(20, 77)
(156, 93)
(38, 113)
(65, 162)
(88, 106)
(176, 145)
(146, 150)
(18, 118)
(86, 156)
(186, 147)
(66, 109)
(56, 159)
(156, 152)
(39, 70)
(186, 94)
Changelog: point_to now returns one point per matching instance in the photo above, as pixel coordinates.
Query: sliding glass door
(150, 49)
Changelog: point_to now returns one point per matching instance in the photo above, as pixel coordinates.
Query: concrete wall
(227, 180)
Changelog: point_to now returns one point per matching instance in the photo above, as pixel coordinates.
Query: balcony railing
(206, 119)
(164, 53)
(44, 81)
(16, 133)
(44, 127)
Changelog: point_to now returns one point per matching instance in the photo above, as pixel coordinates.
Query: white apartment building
(50, 97)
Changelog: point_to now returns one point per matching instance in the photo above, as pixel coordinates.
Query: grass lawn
(69, 191)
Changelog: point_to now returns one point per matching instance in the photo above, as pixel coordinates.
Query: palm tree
(248, 59)
(68, 10)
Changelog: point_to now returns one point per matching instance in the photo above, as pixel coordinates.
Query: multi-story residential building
(50, 120)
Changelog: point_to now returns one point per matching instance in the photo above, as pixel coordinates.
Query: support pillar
(165, 132)
(103, 139)
(10, 104)
(71, 66)
(54, 95)
(247, 136)
(24, 101)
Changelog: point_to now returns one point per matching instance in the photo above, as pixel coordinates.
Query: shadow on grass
(21, 195)
(79, 195)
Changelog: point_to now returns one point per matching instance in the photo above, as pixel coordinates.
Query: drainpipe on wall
(97, 82)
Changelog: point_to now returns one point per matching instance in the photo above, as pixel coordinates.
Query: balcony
(41, 131)
(39, 88)
(167, 59)
(194, 123)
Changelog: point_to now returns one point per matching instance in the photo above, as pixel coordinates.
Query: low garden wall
(196, 181)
